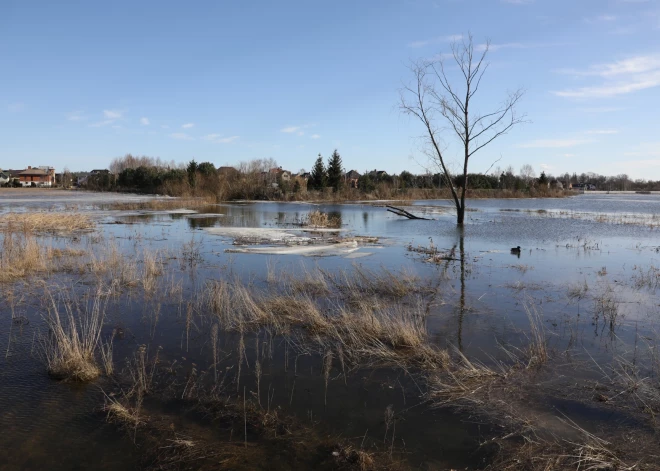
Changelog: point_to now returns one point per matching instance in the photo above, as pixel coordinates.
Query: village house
(4, 178)
(351, 178)
(285, 175)
(37, 177)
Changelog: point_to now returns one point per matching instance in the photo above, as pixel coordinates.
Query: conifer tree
(318, 177)
(335, 171)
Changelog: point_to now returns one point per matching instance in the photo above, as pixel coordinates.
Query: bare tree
(527, 173)
(433, 99)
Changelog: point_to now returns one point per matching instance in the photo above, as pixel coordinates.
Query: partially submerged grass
(379, 319)
(320, 220)
(49, 223)
(21, 256)
(70, 347)
(162, 204)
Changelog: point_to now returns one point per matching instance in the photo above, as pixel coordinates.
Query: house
(351, 178)
(285, 175)
(378, 174)
(83, 180)
(39, 176)
(4, 178)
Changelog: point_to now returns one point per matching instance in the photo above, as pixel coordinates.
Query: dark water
(585, 239)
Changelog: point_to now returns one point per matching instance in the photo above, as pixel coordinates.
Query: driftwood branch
(404, 213)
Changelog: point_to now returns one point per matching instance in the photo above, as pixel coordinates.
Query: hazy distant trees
(434, 97)
(543, 179)
(130, 161)
(527, 173)
(335, 171)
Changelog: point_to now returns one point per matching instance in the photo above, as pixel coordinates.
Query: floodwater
(609, 243)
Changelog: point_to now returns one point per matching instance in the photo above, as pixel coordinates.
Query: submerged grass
(391, 329)
(46, 222)
(320, 219)
(70, 347)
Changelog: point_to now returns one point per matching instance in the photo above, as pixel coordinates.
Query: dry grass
(362, 327)
(538, 351)
(162, 204)
(22, 256)
(70, 347)
(50, 223)
(319, 219)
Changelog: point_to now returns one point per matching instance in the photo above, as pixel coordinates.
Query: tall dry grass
(363, 327)
(70, 347)
(320, 220)
(46, 222)
(22, 256)
(162, 204)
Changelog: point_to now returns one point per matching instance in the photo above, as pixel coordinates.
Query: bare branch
(433, 96)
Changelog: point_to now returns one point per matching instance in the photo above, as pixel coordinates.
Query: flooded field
(156, 333)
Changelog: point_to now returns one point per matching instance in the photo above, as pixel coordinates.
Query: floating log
(403, 213)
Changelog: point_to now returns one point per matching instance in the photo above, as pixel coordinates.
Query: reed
(319, 219)
(46, 222)
(71, 346)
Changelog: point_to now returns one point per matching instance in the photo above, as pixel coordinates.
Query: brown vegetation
(70, 347)
(49, 223)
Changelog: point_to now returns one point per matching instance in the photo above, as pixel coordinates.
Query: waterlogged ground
(586, 275)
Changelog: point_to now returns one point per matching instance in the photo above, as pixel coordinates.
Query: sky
(227, 81)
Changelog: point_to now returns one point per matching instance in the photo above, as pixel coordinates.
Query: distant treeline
(264, 180)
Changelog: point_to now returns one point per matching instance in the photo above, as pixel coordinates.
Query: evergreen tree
(543, 180)
(192, 173)
(319, 176)
(365, 183)
(335, 171)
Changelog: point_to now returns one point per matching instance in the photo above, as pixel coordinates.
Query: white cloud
(301, 133)
(290, 129)
(188, 125)
(620, 77)
(164, 126)
(219, 139)
(113, 114)
(102, 123)
(76, 116)
(568, 155)
(315, 136)
(16, 107)
(602, 131)
(553, 143)
(144, 121)
(437, 40)
(546, 167)
(182, 136)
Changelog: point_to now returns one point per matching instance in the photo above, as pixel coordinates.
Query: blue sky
(223, 81)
